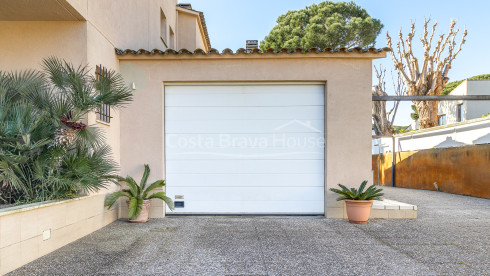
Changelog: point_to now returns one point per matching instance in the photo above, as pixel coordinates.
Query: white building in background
(469, 132)
(460, 111)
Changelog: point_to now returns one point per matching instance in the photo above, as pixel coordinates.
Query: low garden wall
(459, 170)
(30, 231)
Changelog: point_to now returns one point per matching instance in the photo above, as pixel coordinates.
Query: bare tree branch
(383, 121)
(431, 77)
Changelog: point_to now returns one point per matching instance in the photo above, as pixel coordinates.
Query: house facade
(458, 111)
(232, 132)
(87, 32)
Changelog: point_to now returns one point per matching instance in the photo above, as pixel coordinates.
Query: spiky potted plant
(138, 196)
(358, 202)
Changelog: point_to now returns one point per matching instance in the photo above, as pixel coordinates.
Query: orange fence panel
(460, 170)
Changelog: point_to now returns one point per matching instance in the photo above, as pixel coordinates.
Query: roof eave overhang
(35, 10)
(242, 54)
(188, 11)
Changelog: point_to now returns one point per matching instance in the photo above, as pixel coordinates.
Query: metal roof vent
(252, 44)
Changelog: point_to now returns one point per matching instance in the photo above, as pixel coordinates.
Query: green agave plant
(372, 193)
(136, 194)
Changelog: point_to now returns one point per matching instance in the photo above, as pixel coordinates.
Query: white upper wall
(471, 109)
(475, 109)
(473, 132)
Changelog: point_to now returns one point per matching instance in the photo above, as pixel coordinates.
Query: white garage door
(245, 148)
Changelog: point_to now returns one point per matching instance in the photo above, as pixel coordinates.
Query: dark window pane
(460, 113)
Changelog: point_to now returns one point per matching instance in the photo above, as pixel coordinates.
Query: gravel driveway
(450, 237)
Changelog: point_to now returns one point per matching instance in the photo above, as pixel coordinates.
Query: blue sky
(231, 22)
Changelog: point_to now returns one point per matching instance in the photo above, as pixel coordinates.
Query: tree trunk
(64, 135)
(427, 113)
(382, 125)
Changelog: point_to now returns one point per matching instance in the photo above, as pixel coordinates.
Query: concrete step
(391, 209)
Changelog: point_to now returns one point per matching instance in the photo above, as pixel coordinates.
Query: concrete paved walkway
(450, 237)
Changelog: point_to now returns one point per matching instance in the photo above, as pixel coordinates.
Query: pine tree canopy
(323, 25)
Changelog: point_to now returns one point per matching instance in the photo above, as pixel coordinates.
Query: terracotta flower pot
(358, 210)
(143, 217)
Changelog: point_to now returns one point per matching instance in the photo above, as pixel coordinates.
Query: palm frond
(361, 188)
(132, 186)
(89, 169)
(112, 90)
(153, 186)
(10, 176)
(162, 196)
(112, 198)
(18, 83)
(135, 207)
(56, 72)
(60, 106)
(144, 179)
(90, 137)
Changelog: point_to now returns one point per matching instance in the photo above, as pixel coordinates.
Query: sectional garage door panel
(241, 96)
(191, 113)
(248, 166)
(248, 180)
(227, 126)
(299, 207)
(245, 149)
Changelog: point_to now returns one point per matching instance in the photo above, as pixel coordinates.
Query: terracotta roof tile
(205, 28)
(242, 51)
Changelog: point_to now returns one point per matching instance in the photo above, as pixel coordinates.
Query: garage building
(249, 133)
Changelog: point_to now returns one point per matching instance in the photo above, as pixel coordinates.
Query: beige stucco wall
(129, 24)
(126, 24)
(348, 108)
(200, 42)
(187, 31)
(132, 24)
(24, 44)
(21, 228)
(100, 51)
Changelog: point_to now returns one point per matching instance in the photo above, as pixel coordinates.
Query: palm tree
(46, 152)
(74, 93)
